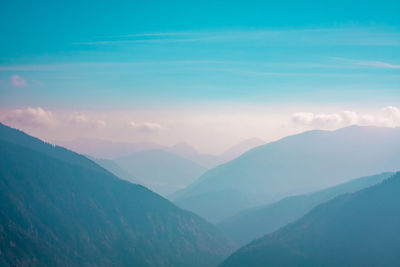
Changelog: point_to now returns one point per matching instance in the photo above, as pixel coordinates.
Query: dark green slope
(20, 138)
(257, 222)
(359, 229)
(56, 213)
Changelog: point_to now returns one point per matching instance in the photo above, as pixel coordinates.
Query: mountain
(58, 208)
(301, 164)
(240, 148)
(226, 204)
(359, 229)
(161, 171)
(257, 222)
(115, 169)
(99, 148)
(186, 151)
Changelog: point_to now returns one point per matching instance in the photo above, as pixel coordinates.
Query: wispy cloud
(378, 64)
(367, 63)
(18, 81)
(329, 36)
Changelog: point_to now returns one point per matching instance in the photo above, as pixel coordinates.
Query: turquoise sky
(159, 53)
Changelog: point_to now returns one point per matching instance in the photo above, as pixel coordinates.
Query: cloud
(18, 81)
(148, 127)
(317, 120)
(392, 114)
(308, 36)
(378, 64)
(30, 117)
(372, 64)
(82, 119)
(389, 117)
(99, 124)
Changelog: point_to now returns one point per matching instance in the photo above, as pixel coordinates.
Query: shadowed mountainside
(58, 208)
(257, 222)
(359, 229)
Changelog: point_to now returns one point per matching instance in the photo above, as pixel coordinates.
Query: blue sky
(170, 52)
(156, 55)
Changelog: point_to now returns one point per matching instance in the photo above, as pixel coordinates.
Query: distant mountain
(359, 229)
(115, 169)
(240, 148)
(58, 208)
(257, 222)
(186, 151)
(301, 164)
(224, 204)
(99, 148)
(161, 171)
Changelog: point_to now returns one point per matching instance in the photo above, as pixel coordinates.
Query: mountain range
(98, 148)
(294, 165)
(358, 229)
(256, 222)
(58, 208)
(161, 171)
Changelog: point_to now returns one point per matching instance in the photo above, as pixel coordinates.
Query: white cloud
(81, 119)
(148, 127)
(99, 124)
(18, 81)
(390, 117)
(302, 118)
(393, 115)
(30, 117)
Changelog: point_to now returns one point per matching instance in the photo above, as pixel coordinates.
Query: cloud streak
(328, 36)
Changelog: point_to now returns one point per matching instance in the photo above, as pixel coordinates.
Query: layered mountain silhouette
(110, 150)
(161, 171)
(257, 222)
(359, 229)
(58, 208)
(299, 164)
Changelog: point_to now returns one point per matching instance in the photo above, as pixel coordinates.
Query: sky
(208, 73)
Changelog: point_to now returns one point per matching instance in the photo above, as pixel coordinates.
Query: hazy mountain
(99, 148)
(257, 222)
(161, 171)
(302, 163)
(188, 152)
(240, 148)
(115, 169)
(224, 204)
(359, 229)
(58, 208)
